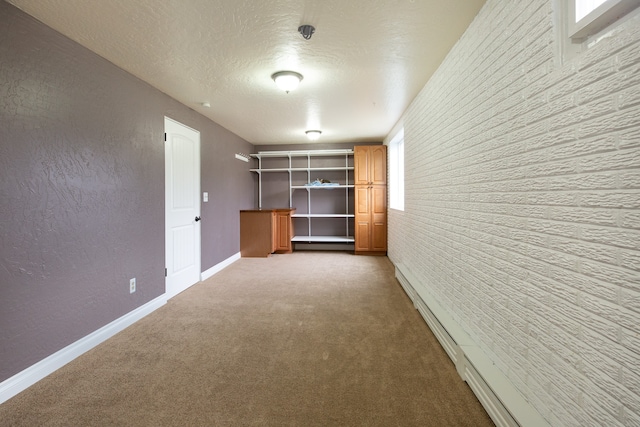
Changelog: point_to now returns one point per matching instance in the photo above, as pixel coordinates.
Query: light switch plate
(205, 197)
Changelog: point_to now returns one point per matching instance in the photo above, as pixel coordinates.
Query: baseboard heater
(502, 401)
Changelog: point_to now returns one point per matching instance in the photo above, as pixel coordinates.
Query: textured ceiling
(365, 63)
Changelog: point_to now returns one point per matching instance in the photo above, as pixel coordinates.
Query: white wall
(522, 208)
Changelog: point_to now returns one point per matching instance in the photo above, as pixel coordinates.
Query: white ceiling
(365, 63)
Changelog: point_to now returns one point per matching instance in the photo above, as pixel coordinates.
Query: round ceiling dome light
(313, 135)
(287, 80)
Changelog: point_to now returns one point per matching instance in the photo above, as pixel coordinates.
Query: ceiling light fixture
(313, 135)
(287, 80)
(306, 31)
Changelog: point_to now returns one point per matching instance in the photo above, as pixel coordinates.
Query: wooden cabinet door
(378, 206)
(361, 162)
(362, 219)
(378, 165)
(274, 231)
(371, 219)
(283, 232)
(370, 164)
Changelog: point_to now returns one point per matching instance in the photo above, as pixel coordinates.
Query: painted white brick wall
(522, 208)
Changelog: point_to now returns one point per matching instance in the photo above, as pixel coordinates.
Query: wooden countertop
(269, 210)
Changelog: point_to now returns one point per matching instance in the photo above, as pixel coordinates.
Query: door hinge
(165, 137)
(165, 272)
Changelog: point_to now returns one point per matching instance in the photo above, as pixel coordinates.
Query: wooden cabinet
(263, 232)
(371, 219)
(370, 234)
(370, 162)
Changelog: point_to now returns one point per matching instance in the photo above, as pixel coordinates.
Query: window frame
(396, 171)
(597, 19)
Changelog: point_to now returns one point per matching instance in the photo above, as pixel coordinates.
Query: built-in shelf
(323, 216)
(323, 239)
(303, 167)
(299, 153)
(319, 187)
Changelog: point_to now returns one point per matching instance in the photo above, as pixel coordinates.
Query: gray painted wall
(82, 190)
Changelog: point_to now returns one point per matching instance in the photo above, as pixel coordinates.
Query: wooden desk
(265, 231)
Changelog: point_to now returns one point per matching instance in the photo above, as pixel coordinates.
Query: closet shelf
(339, 168)
(304, 167)
(301, 153)
(323, 216)
(323, 239)
(319, 187)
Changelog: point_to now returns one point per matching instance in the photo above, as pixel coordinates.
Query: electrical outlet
(132, 285)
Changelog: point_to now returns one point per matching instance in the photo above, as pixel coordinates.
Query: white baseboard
(22, 380)
(170, 293)
(218, 267)
(502, 401)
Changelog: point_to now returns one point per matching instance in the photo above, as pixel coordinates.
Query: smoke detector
(306, 31)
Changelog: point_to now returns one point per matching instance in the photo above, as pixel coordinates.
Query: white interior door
(182, 206)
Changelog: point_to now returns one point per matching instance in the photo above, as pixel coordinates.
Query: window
(396, 172)
(587, 17)
(584, 7)
(582, 24)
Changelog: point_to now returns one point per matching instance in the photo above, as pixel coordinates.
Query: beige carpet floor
(306, 339)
